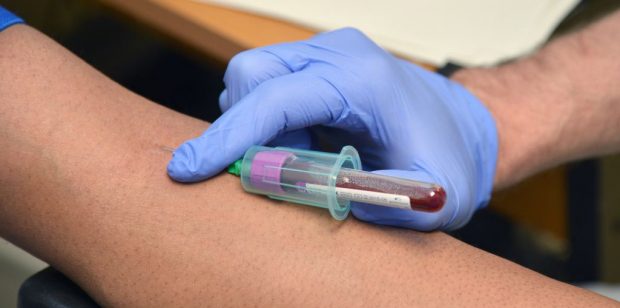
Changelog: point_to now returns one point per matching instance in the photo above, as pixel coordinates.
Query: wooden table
(213, 30)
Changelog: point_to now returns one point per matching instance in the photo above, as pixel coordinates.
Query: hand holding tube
(414, 123)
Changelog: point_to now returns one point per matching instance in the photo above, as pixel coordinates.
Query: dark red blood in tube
(422, 196)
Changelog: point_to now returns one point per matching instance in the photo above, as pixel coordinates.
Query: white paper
(473, 32)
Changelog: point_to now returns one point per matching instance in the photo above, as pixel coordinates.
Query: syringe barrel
(299, 176)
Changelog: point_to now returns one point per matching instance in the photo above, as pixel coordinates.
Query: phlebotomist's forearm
(560, 104)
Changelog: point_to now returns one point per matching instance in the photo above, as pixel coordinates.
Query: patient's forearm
(84, 187)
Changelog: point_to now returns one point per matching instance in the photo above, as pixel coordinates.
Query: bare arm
(561, 104)
(83, 186)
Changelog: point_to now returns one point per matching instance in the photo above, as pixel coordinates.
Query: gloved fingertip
(223, 101)
(183, 168)
(362, 212)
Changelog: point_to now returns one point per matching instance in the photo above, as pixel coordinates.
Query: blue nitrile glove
(400, 117)
(8, 19)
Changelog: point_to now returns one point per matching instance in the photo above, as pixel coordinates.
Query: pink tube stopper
(266, 170)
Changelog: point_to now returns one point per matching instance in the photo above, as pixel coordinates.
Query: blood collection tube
(399, 192)
(331, 181)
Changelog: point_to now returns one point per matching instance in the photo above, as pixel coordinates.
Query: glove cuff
(8, 19)
(488, 146)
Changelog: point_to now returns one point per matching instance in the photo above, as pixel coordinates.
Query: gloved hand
(400, 117)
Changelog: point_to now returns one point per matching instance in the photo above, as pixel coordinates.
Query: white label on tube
(364, 196)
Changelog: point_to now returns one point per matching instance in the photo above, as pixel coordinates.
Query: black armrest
(51, 289)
